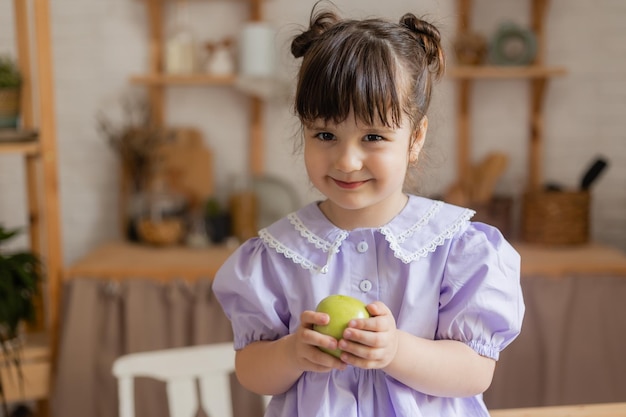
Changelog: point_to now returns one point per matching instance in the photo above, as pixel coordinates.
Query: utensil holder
(498, 212)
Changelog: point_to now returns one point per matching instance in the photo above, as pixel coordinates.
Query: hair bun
(429, 38)
(319, 24)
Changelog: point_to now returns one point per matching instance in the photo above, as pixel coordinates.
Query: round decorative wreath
(513, 45)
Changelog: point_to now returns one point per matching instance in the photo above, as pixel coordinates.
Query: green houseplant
(20, 276)
(10, 85)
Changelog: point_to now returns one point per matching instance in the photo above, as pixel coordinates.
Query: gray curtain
(572, 347)
(102, 320)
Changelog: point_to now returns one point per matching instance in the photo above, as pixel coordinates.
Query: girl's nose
(349, 158)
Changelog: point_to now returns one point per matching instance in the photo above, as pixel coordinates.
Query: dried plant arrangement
(136, 139)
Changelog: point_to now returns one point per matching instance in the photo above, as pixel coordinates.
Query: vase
(218, 227)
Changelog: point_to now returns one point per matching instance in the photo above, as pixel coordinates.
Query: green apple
(341, 309)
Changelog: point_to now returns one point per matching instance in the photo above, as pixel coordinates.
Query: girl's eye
(325, 136)
(373, 138)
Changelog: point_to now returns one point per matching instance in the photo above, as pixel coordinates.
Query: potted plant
(10, 84)
(20, 276)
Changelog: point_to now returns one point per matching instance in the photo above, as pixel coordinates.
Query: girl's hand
(371, 343)
(307, 355)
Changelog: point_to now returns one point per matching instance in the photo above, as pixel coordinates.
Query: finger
(328, 360)
(320, 363)
(359, 355)
(359, 362)
(378, 308)
(312, 357)
(362, 337)
(372, 324)
(320, 358)
(317, 339)
(309, 318)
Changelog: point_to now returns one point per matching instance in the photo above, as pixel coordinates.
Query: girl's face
(360, 169)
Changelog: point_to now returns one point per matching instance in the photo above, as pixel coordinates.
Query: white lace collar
(310, 240)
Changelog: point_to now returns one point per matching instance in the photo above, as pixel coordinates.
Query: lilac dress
(442, 276)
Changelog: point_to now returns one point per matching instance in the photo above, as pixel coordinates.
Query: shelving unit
(537, 75)
(157, 81)
(118, 260)
(36, 143)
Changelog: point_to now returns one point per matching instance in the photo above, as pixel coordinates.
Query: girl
(443, 292)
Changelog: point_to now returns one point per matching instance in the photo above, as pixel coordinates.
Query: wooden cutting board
(186, 164)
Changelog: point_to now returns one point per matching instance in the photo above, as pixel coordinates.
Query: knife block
(498, 212)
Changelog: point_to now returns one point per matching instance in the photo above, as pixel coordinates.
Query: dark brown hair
(377, 68)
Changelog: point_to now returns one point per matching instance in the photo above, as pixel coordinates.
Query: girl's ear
(417, 141)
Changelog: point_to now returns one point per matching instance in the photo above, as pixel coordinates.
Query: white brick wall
(98, 43)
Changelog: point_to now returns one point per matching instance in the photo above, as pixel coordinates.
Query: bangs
(350, 72)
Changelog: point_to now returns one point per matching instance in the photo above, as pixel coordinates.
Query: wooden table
(119, 260)
(584, 410)
(560, 261)
(122, 260)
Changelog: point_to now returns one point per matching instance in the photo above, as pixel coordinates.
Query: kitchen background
(98, 44)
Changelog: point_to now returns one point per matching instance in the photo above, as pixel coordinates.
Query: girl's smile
(349, 185)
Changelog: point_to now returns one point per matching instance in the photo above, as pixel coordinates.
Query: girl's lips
(348, 185)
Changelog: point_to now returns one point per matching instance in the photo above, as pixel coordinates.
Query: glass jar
(162, 222)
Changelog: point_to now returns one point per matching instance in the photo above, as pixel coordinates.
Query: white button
(365, 285)
(362, 247)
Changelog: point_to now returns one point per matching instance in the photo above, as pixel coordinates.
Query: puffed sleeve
(481, 301)
(244, 288)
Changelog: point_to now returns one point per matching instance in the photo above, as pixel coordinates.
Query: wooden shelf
(36, 143)
(19, 141)
(495, 72)
(24, 148)
(192, 79)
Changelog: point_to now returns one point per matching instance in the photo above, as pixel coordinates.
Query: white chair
(211, 365)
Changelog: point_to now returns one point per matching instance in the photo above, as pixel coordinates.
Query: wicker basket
(556, 217)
